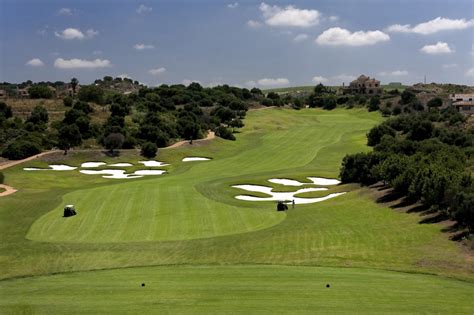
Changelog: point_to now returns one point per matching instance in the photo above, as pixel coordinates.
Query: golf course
(182, 242)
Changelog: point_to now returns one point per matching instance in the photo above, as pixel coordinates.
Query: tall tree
(74, 83)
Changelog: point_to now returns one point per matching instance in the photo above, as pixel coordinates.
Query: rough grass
(190, 227)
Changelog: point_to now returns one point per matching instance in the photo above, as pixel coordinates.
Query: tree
(91, 93)
(67, 101)
(39, 115)
(375, 134)
(69, 136)
(374, 104)
(40, 91)
(407, 97)
(5, 110)
(435, 102)
(224, 133)
(114, 141)
(236, 123)
(20, 149)
(74, 84)
(149, 150)
(320, 89)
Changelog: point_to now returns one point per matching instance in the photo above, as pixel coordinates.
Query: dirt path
(210, 135)
(13, 163)
(8, 190)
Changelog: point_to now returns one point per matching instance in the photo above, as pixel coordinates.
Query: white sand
(153, 163)
(92, 164)
(53, 167)
(114, 174)
(120, 174)
(195, 158)
(282, 196)
(324, 181)
(149, 172)
(121, 165)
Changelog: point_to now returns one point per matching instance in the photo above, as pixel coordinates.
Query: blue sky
(244, 43)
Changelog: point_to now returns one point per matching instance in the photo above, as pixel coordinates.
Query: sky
(242, 43)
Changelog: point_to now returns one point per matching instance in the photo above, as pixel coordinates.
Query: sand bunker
(115, 174)
(121, 165)
(92, 164)
(195, 158)
(149, 172)
(120, 174)
(282, 196)
(289, 197)
(153, 163)
(324, 181)
(314, 181)
(59, 167)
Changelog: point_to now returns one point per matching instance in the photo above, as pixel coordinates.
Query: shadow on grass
(395, 200)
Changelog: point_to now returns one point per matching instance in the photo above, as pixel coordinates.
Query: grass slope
(184, 220)
(244, 289)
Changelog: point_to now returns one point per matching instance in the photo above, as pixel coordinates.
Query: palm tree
(74, 83)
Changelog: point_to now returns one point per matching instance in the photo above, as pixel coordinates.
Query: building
(364, 85)
(464, 103)
(22, 93)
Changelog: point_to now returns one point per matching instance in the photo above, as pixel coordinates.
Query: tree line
(424, 156)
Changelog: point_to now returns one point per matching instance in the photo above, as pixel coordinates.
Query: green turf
(242, 289)
(170, 208)
(190, 217)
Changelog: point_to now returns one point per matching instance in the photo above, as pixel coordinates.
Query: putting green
(241, 289)
(172, 208)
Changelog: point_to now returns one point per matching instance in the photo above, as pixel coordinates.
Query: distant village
(363, 85)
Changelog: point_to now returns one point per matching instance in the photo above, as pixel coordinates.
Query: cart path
(8, 190)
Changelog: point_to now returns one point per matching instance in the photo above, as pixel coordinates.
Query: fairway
(197, 248)
(170, 207)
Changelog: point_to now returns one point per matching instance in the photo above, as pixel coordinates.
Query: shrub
(149, 150)
(67, 101)
(40, 91)
(91, 93)
(224, 133)
(2, 178)
(21, 149)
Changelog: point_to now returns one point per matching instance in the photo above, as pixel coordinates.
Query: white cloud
(188, 82)
(289, 16)
(434, 26)
(157, 71)
(35, 62)
(253, 24)
(301, 37)
(333, 18)
(470, 73)
(319, 79)
(437, 49)
(450, 66)
(337, 36)
(273, 82)
(343, 77)
(143, 9)
(65, 11)
(123, 76)
(233, 5)
(395, 73)
(251, 83)
(74, 33)
(143, 46)
(81, 63)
